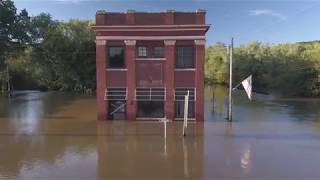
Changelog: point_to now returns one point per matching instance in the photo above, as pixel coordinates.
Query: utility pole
(8, 81)
(230, 80)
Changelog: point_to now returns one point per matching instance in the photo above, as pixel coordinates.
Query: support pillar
(131, 79)
(169, 78)
(200, 55)
(101, 75)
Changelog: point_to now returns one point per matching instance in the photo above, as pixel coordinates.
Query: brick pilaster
(169, 19)
(169, 78)
(101, 57)
(201, 16)
(131, 79)
(200, 53)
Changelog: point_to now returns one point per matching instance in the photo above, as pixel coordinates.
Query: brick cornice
(169, 42)
(130, 42)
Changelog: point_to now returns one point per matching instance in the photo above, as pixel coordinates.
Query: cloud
(267, 12)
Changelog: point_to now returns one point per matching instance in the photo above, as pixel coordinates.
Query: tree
(14, 35)
(65, 59)
(283, 69)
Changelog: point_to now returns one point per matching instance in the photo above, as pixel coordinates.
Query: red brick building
(147, 62)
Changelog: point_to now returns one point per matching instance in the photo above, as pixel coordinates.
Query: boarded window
(149, 74)
(116, 57)
(117, 110)
(184, 57)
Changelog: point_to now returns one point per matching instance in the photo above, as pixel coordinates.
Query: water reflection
(56, 135)
(36, 143)
(246, 159)
(138, 153)
(262, 108)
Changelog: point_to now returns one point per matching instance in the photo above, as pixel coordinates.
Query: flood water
(49, 135)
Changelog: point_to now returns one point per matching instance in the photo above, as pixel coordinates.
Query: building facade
(147, 62)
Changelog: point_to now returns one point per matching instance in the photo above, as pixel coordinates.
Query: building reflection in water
(246, 159)
(139, 150)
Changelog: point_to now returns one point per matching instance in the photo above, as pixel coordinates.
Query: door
(117, 110)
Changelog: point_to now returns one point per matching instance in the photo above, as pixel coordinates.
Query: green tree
(284, 69)
(14, 35)
(66, 57)
(216, 64)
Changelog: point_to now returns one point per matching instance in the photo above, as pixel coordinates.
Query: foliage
(65, 59)
(14, 34)
(216, 64)
(285, 69)
(42, 53)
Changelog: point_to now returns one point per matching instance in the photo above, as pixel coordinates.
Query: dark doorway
(150, 109)
(117, 110)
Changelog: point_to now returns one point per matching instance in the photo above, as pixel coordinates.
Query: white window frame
(142, 51)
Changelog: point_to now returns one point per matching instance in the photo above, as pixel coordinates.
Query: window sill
(115, 69)
(181, 119)
(186, 69)
(150, 59)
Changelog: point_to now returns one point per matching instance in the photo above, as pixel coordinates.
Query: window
(117, 103)
(179, 96)
(158, 52)
(116, 57)
(150, 102)
(179, 109)
(117, 110)
(184, 57)
(142, 51)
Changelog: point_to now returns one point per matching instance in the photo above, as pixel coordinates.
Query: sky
(269, 21)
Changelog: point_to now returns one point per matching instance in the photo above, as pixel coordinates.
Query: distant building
(146, 63)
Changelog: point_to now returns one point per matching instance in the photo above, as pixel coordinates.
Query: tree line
(282, 69)
(42, 53)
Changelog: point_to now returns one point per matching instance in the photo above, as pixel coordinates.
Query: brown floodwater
(50, 135)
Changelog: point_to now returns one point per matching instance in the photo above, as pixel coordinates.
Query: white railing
(150, 94)
(181, 92)
(116, 93)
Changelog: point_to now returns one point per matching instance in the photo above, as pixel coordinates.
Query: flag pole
(230, 80)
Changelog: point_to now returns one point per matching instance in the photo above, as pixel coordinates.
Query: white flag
(247, 85)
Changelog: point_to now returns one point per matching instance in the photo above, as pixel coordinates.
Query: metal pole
(185, 117)
(8, 81)
(230, 80)
(165, 127)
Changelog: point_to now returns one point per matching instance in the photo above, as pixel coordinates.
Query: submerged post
(185, 117)
(230, 80)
